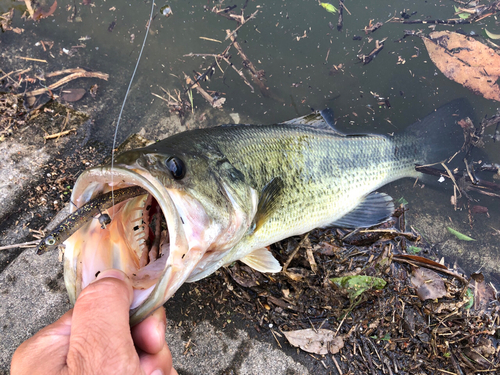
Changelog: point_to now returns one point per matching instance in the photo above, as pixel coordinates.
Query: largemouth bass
(214, 196)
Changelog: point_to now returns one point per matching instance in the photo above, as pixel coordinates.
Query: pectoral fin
(374, 209)
(268, 201)
(262, 260)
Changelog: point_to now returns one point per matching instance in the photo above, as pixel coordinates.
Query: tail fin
(439, 135)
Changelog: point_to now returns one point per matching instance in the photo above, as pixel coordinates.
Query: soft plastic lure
(86, 213)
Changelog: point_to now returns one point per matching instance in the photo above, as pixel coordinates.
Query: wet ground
(307, 65)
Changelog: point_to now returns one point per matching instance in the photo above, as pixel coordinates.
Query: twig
(442, 22)
(488, 188)
(277, 341)
(340, 325)
(217, 61)
(160, 97)
(312, 261)
(426, 265)
(24, 244)
(31, 59)
(82, 74)
(452, 178)
(60, 134)
(198, 79)
(295, 251)
(29, 7)
(214, 103)
(340, 22)
(210, 39)
(246, 61)
(242, 23)
(65, 71)
(257, 76)
(66, 121)
(19, 71)
(191, 54)
(239, 72)
(347, 10)
(337, 365)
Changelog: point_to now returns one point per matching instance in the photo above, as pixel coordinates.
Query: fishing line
(125, 100)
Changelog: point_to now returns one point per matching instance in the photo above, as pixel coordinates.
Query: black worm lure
(84, 214)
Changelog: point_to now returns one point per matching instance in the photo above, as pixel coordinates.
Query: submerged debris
(166, 11)
(460, 57)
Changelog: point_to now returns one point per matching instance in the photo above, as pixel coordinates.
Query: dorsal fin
(329, 117)
(319, 119)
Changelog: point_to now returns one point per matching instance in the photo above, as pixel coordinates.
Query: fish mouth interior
(136, 241)
(144, 242)
(143, 232)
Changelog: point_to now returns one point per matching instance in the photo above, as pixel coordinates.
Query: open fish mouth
(145, 239)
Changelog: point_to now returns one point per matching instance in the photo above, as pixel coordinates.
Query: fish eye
(176, 167)
(50, 241)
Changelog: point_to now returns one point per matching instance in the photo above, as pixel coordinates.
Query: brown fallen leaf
(428, 283)
(297, 274)
(320, 341)
(326, 249)
(466, 61)
(420, 259)
(483, 292)
(40, 13)
(73, 95)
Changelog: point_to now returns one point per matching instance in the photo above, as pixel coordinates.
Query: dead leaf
(297, 274)
(40, 13)
(320, 341)
(245, 276)
(483, 292)
(325, 248)
(420, 259)
(466, 61)
(428, 283)
(6, 20)
(73, 95)
(29, 7)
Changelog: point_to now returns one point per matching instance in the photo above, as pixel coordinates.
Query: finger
(149, 335)
(100, 335)
(160, 361)
(46, 351)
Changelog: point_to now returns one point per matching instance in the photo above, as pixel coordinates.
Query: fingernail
(161, 329)
(157, 372)
(113, 273)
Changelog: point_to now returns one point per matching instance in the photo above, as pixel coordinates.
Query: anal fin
(262, 260)
(374, 209)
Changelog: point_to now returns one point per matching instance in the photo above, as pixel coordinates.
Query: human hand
(95, 337)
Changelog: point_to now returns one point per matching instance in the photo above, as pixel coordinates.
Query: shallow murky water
(292, 41)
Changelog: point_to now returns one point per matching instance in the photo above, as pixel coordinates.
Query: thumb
(100, 332)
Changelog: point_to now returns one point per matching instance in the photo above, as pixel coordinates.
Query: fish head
(197, 206)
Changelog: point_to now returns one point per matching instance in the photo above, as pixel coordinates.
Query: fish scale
(325, 175)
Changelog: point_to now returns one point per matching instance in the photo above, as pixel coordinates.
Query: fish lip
(91, 182)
